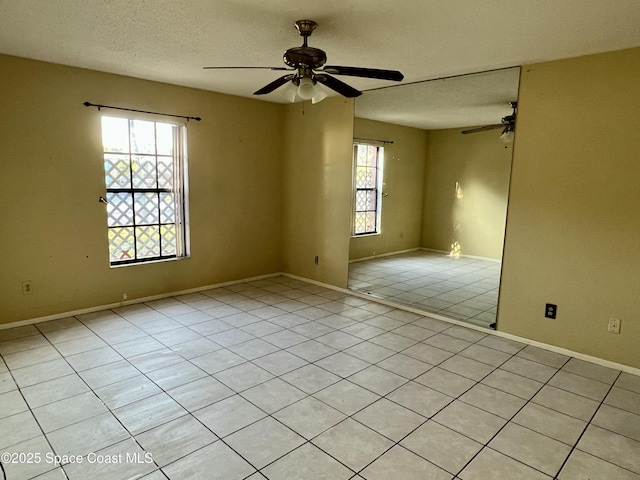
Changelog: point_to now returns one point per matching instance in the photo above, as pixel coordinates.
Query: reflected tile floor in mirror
(279, 379)
(460, 288)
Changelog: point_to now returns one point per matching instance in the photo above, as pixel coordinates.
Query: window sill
(150, 262)
(365, 235)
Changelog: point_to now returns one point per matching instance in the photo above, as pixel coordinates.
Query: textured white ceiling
(474, 99)
(170, 40)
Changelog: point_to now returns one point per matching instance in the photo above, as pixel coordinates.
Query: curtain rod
(89, 104)
(373, 140)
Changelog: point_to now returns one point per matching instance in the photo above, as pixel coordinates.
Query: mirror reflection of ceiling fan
(508, 125)
(309, 71)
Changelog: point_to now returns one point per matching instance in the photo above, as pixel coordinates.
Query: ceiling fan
(508, 125)
(308, 68)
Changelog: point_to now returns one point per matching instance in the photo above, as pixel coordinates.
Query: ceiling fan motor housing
(309, 57)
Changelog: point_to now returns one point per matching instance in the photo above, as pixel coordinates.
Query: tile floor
(461, 288)
(281, 379)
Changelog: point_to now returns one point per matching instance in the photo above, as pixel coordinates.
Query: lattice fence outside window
(145, 176)
(367, 176)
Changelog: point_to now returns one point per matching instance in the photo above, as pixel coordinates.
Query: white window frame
(378, 189)
(178, 192)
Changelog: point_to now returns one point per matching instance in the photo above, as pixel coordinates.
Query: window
(367, 181)
(145, 176)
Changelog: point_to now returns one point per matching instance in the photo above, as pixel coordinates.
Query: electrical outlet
(316, 260)
(614, 325)
(550, 310)
(124, 296)
(27, 287)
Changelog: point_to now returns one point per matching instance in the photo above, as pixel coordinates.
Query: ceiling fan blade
(338, 85)
(482, 129)
(364, 72)
(273, 85)
(246, 68)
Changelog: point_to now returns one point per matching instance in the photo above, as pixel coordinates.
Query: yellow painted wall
(403, 177)
(317, 189)
(51, 173)
(573, 228)
(473, 216)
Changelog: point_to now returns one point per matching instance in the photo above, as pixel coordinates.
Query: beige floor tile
(175, 439)
(493, 401)
(56, 415)
(148, 362)
(311, 379)
(591, 370)
(26, 358)
(279, 363)
(442, 446)
(176, 375)
(378, 380)
(342, 364)
(389, 419)
(12, 403)
(131, 463)
(582, 466)
(21, 343)
(87, 436)
(404, 366)
(353, 444)
(566, 402)
(511, 383)
(307, 462)
(624, 399)
(217, 361)
(309, 417)
(628, 382)
(37, 447)
(446, 382)
(485, 355)
(264, 441)
(529, 447)
(243, 376)
(548, 422)
(127, 391)
(427, 353)
(612, 447)
(41, 372)
(468, 420)
(148, 413)
(584, 386)
(492, 464)
(551, 359)
(17, 429)
(422, 400)
(6, 382)
(229, 415)
(213, 462)
(401, 463)
(200, 393)
(618, 421)
(346, 397)
(107, 374)
(273, 395)
(466, 367)
(93, 358)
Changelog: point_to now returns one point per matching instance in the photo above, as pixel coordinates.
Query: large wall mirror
(430, 201)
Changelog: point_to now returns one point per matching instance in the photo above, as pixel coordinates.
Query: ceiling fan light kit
(311, 74)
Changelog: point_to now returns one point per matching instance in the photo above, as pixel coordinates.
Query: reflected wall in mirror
(444, 194)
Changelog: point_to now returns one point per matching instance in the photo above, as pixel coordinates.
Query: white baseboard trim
(388, 254)
(552, 348)
(57, 316)
(508, 336)
(475, 257)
